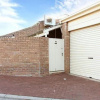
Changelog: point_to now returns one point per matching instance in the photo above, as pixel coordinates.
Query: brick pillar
(66, 37)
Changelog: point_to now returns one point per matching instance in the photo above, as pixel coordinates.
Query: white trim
(82, 12)
(52, 28)
(46, 31)
(39, 35)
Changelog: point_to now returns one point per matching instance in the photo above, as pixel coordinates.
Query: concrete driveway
(59, 86)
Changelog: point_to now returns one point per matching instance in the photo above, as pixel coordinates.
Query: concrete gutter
(16, 97)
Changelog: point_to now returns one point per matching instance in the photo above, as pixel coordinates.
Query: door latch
(55, 42)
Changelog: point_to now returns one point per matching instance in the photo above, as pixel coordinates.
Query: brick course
(24, 56)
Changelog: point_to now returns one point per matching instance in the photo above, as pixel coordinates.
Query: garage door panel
(85, 52)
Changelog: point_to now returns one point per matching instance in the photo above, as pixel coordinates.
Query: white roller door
(85, 52)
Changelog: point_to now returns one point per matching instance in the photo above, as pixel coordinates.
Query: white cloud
(9, 18)
(66, 7)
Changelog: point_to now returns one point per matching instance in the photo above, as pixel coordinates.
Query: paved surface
(30, 99)
(60, 86)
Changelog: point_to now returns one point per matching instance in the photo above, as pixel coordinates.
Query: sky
(19, 14)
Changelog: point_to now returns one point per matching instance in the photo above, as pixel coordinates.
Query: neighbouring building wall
(37, 28)
(24, 56)
(66, 37)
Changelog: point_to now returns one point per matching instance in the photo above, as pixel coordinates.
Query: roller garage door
(85, 52)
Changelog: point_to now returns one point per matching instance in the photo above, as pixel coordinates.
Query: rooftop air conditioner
(49, 21)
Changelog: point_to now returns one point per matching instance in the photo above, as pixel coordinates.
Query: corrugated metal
(87, 20)
(85, 45)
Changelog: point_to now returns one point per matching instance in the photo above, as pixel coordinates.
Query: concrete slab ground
(57, 86)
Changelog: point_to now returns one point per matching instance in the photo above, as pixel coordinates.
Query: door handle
(90, 57)
(62, 54)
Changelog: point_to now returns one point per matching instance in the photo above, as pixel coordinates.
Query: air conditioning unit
(49, 21)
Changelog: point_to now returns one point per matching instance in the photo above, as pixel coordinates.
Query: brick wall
(28, 31)
(66, 37)
(24, 56)
(44, 57)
